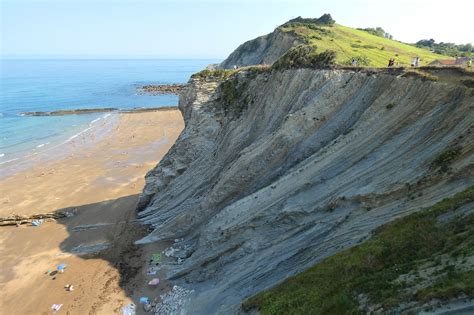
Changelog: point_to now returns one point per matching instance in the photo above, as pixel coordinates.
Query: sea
(68, 84)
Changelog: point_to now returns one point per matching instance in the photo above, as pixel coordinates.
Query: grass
(372, 268)
(348, 43)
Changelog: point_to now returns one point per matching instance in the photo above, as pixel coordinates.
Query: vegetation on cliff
(348, 43)
(449, 49)
(423, 256)
(305, 56)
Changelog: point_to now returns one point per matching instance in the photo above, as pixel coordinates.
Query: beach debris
(144, 300)
(37, 222)
(69, 287)
(56, 307)
(170, 251)
(61, 268)
(173, 301)
(16, 219)
(154, 281)
(147, 307)
(183, 251)
(129, 309)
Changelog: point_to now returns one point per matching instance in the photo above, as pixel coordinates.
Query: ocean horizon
(29, 85)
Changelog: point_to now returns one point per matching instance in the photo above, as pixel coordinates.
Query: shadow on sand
(107, 230)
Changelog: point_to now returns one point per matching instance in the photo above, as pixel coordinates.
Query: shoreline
(60, 147)
(99, 185)
(53, 148)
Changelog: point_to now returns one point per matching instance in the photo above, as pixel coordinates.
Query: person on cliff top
(391, 62)
(415, 62)
(354, 62)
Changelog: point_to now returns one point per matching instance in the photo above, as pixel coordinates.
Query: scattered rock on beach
(172, 302)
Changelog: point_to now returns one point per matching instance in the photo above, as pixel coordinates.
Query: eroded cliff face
(276, 171)
(262, 50)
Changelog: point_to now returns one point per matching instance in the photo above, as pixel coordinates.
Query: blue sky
(204, 29)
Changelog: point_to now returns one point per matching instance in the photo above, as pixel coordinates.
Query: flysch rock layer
(262, 50)
(312, 162)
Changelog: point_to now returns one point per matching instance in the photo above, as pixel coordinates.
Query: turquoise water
(48, 85)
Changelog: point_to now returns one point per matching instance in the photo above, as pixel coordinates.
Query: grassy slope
(349, 43)
(404, 248)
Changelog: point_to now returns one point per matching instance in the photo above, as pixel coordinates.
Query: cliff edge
(279, 169)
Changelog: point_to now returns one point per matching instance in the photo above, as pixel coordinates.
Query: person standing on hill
(415, 62)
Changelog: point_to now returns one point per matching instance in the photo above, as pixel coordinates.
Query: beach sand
(100, 183)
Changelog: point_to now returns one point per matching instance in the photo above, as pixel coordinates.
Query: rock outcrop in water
(277, 170)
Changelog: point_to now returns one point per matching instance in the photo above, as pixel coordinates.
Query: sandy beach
(99, 184)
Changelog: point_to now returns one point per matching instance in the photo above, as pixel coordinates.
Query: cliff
(262, 50)
(277, 170)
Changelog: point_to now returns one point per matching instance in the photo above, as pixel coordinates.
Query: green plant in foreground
(371, 268)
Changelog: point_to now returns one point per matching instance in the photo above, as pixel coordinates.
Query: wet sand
(100, 183)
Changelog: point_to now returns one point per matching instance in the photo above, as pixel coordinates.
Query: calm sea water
(48, 85)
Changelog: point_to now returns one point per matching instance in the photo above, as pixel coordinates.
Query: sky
(204, 29)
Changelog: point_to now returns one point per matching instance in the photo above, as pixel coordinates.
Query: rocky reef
(278, 169)
(160, 89)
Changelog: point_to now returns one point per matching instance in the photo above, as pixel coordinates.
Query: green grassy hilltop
(371, 50)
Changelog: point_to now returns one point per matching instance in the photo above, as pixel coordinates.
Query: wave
(7, 161)
(42, 145)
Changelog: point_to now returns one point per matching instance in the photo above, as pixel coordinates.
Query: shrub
(445, 158)
(390, 105)
(217, 74)
(361, 61)
(231, 100)
(325, 19)
(304, 56)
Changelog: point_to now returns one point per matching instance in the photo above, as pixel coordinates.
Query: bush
(445, 158)
(304, 56)
(325, 19)
(361, 61)
(216, 74)
(390, 105)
